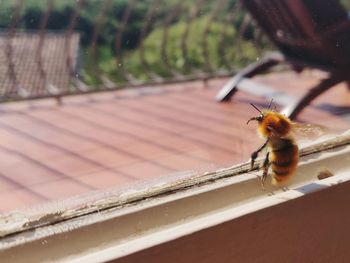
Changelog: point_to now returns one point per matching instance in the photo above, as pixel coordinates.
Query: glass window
(101, 98)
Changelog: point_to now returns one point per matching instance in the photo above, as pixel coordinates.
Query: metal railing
(55, 49)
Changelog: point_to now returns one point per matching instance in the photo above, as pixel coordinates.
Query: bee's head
(271, 123)
(259, 118)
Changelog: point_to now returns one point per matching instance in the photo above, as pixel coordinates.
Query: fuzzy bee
(283, 151)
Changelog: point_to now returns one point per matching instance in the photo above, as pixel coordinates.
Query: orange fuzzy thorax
(280, 124)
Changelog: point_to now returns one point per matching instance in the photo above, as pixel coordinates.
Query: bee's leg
(285, 189)
(255, 154)
(265, 167)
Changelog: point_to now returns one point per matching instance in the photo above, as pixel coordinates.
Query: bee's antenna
(270, 104)
(256, 108)
(251, 119)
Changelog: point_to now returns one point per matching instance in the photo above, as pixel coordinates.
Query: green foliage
(237, 52)
(220, 46)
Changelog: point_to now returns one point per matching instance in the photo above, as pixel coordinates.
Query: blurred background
(144, 75)
(87, 45)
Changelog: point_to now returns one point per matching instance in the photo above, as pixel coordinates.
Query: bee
(283, 151)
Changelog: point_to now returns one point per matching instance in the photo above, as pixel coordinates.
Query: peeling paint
(43, 220)
(12, 222)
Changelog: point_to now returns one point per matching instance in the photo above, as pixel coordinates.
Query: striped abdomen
(284, 157)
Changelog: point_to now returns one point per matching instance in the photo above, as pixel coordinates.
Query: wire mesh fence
(54, 48)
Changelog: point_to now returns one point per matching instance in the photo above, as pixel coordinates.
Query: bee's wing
(308, 131)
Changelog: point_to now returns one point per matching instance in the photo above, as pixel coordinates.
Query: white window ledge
(223, 216)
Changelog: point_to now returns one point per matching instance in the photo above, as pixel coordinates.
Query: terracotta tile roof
(97, 141)
(22, 52)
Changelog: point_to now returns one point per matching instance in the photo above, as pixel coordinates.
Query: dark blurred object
(308, 33)
(324, 173)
